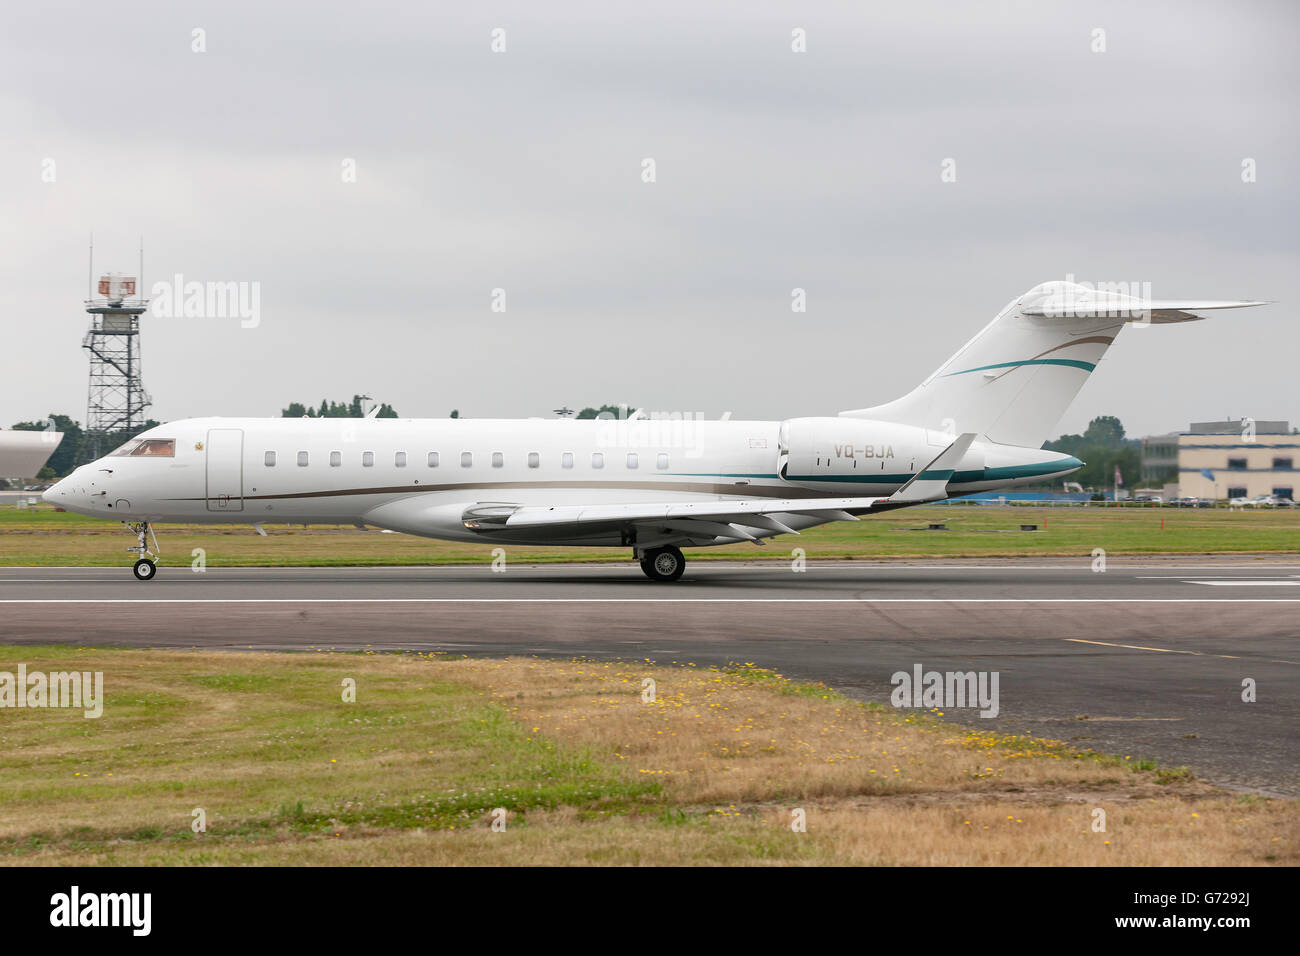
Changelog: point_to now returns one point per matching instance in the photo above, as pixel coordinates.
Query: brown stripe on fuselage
(733, 489)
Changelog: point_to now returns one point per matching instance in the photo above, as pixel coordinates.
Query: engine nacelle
(818, 449)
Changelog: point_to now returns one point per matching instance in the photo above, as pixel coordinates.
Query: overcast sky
(522, 170)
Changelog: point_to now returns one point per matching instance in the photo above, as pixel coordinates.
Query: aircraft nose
(56, 492)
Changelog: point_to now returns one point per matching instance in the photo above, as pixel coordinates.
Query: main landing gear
(663, 564)
(146, 567)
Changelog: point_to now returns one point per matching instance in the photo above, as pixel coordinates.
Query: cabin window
(566, 460)
(367, 459)
(466, 459)
(534, 459)
(270, 459)
(399, 459)
(662, 462)
(498, 459)
(433, 459)
(302, 459)
(336, 459)
(597, 459)
(632, 460)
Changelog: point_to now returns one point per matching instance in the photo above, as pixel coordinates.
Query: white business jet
(652, 485)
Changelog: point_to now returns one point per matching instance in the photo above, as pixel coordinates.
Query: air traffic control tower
(116, 398)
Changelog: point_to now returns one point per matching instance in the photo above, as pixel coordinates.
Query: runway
(1145, 659)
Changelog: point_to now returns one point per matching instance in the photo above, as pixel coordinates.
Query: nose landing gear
(146, 567)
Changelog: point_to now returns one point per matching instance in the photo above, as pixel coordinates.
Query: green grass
(273, 751)
(43, 537)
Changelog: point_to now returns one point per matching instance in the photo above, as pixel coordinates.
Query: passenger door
(225, 479)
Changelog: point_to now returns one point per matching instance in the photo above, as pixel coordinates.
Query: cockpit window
(155, 448)
(147, 448)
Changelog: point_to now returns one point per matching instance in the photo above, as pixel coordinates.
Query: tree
(455, 413)
(1105, 430)
(68, 455)
(1103, 448)
(330, 409)
(617, 411)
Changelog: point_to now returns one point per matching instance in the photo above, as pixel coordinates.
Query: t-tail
(1012, 382)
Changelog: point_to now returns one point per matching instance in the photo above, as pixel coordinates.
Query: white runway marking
(864, 600)
(1248, 584)
(1217, 577)
(1166, 650)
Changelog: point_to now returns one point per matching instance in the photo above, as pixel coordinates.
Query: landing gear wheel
(663, 564)
(145, 568)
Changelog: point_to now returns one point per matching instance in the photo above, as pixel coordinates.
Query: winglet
(931, 482)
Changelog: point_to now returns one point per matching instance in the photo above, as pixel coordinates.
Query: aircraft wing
(754, 513)
(733, 517)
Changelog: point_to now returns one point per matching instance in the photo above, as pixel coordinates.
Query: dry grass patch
(709, 771)
(880, 786)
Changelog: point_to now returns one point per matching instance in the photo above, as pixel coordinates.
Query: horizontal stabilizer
(1012, 382)
(1112, 305)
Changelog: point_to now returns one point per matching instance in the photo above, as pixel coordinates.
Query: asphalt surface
(1145, 659)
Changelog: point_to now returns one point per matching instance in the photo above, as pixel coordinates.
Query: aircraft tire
(663, 564)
